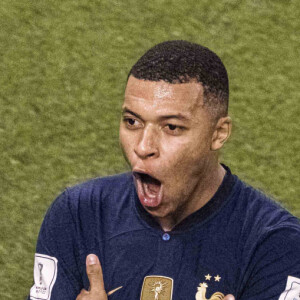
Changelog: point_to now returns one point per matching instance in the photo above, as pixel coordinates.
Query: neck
(203, 192)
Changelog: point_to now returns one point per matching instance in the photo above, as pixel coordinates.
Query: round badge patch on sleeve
(292, 289)
(45, 272)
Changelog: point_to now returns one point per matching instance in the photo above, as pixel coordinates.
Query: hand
(95, 275)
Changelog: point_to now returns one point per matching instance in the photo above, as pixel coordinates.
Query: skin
(167, 132)
(97, 289)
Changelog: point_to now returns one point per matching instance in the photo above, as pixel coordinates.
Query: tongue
(152, 186)
(151, 191)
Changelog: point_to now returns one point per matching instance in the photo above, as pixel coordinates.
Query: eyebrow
(126, 110)
(175, 116)
(166, 117)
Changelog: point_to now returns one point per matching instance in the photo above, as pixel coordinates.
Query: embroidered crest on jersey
(292, 289)
(201, 293)
(157, 288)
(45, 272)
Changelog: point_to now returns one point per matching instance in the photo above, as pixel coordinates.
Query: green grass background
(63, 71)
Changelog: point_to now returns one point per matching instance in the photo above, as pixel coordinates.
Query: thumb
(94, 273)
(229, 297)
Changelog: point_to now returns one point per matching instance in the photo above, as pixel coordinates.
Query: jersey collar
(199, 216)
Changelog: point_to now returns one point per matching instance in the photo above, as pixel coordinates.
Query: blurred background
(64, 66)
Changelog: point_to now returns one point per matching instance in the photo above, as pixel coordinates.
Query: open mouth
(149, 189)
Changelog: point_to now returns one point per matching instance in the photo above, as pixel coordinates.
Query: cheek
(125, 142)
(185, 158)
(176, 158)
(181, 151)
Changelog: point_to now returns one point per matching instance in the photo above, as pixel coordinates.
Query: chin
(158, 212)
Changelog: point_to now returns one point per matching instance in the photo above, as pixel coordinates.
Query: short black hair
(181, 62)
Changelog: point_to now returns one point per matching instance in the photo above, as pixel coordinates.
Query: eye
(132, 123)
(173, 129)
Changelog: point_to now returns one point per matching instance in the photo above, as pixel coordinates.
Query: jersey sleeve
(274, 270)
(56, 272)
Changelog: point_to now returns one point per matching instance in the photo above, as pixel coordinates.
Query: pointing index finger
(94, 273)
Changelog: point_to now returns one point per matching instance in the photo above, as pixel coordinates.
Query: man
(180, 225)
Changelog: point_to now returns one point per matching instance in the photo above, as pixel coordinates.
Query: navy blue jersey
(240, 242)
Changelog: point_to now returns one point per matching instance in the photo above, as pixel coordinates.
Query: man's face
(166, 135)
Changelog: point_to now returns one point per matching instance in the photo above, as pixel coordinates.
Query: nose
(147, 146)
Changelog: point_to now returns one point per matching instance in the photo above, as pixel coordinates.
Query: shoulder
(267, 237)
(259, 209)
(101, 186)
(263, 222)
(91, 195)
(258, 220)
(89, 209)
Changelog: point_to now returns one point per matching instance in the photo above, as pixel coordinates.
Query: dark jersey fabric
(247, 243)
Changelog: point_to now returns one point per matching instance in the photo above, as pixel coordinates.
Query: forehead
(164, 95)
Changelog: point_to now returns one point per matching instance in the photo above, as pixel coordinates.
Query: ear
(221, 134)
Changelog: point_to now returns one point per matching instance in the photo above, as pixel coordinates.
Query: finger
(94, 273)
(82, 294)
(229, 297)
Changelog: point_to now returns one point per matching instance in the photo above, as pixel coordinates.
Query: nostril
(145, 151)
(145, 154)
